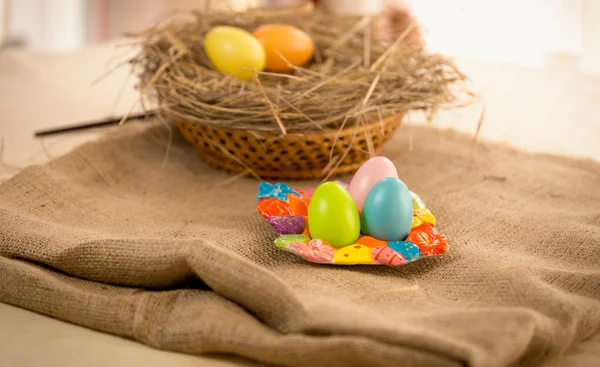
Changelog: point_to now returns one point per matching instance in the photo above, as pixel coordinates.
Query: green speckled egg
(333, 216)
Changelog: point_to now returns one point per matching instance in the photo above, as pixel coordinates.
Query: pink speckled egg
(367, 176)
(387, 256)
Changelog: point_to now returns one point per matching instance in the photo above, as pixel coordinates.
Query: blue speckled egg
(388, 211)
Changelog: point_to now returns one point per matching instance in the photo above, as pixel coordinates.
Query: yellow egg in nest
(234, 51)
(285, 40)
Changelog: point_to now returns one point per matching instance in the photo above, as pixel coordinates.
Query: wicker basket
(294, 156)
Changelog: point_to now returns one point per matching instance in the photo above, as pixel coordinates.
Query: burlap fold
(176, 257)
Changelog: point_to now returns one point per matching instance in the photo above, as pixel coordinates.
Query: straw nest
(352, 79)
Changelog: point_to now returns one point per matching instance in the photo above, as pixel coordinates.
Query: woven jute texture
(176, 257)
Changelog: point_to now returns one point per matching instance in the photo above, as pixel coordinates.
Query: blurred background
(525, 32)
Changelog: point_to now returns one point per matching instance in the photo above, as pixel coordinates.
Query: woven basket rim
(346, 130)
(234, 149)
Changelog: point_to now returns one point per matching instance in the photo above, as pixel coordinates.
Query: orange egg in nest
(293, 44)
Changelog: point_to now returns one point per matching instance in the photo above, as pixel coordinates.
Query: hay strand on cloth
(177, 75)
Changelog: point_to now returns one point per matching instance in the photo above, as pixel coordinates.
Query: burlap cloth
(177, 258)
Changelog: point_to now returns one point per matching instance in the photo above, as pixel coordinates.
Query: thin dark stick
(90, 125)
